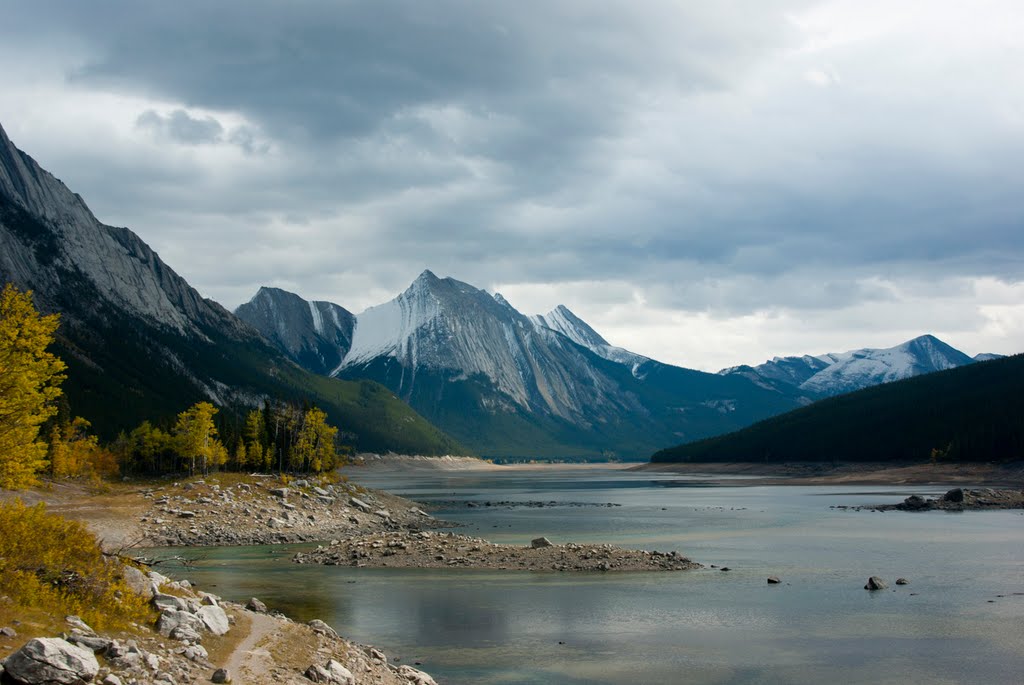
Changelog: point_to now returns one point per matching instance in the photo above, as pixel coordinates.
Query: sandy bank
(990, 475)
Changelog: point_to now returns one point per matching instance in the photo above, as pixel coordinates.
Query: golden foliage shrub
(54, 564)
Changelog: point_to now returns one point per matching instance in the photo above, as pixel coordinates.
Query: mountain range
(479, 376)
(510, 385)
(141, 344)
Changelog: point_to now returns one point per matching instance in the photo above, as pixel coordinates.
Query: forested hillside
(973, 413)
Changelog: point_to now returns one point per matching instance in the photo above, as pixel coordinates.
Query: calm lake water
(949, 625)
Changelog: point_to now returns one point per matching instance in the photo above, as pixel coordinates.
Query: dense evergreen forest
(973, 413)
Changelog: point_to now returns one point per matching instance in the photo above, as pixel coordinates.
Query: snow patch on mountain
(562, 320)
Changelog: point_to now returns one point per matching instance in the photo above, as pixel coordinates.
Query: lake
(958, 621)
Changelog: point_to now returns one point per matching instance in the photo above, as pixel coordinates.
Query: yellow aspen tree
(30, 379)
(197, 436)
(314, 447)
(241, 455)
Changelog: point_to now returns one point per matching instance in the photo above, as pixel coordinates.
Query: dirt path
(251, 661)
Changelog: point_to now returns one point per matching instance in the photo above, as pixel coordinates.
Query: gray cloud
(718, 157)
(181, 127)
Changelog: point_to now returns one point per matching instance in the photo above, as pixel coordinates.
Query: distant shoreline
(845, 473)
(849, 473)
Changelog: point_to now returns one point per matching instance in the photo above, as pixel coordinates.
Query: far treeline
(38, 435)
(973, 413)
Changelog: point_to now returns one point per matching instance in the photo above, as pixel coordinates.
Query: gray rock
(279, 492)
(318, 674)
(51, 660)
(915, 502)
(319, 626)
(257, 606)
(214, 619)
(98, 645)
(773, 580)
(135, 580)
(301, 483)
(186, 634)
(954, 495)
(320, 491)
(902, 581)
(7, 631)
(170, 619)
(414, 676)
(221, 675)
(875, 583)
(186, 514)
(206, 599)
(111, 679)
(196, 653)
(359, 504)
(76, 622)
(339, 674)
(537, 543)
(162, 601)
(158, 578)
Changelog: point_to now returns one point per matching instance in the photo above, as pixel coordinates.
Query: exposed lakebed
(818, 624)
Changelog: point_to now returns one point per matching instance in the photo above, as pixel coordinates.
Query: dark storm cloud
(719, 156)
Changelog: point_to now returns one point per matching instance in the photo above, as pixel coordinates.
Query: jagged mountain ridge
(838, 373)
(317, 335)
(515, 386)
(141, 343)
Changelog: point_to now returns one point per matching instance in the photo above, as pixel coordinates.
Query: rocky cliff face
(51, 240)
(316, 335)
(140, 343)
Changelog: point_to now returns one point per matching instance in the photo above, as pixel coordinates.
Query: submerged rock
(773, 580)
(875, 583)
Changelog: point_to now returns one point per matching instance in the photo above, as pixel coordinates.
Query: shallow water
(704, 626)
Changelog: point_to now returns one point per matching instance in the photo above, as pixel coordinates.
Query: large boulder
(214, 619)
(538, 543)
(257, 606)
(51, 660)
(162, 601)
(414, 676)
(170, 619)
(319, 626)
(136, 580)
(954, 495)
(359, 504)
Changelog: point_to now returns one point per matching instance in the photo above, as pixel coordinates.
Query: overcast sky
(706, 183)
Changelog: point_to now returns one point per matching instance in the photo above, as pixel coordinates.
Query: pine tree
(30, 379)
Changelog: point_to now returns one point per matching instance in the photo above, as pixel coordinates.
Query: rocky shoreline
(195, 639)
(957, 499)
(426, 549)
(259, 511)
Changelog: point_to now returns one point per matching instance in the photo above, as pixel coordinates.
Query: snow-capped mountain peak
(836, 373)
(562, 320)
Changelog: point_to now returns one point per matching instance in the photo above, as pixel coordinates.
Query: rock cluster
(957, 499)
(204, 513)
(427, 549)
